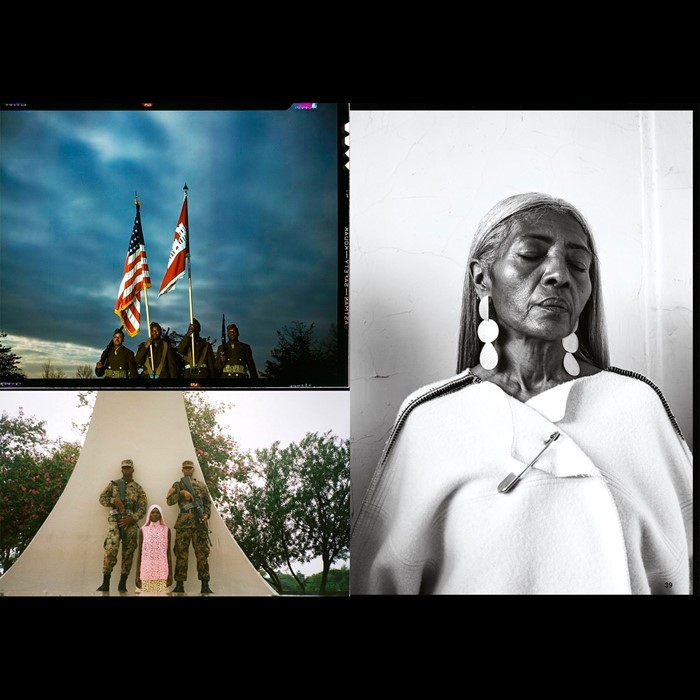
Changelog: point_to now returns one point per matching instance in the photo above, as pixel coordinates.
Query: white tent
(65, 557)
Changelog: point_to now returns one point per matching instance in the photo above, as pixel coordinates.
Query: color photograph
(173, 245)
(208, 493)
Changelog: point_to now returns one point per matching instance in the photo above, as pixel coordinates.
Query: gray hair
(491, 233)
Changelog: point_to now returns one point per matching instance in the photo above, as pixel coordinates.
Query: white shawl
(607, 507)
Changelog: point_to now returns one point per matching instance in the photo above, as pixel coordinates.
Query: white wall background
(419, 183)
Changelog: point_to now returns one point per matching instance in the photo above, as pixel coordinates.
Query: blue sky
(262, 212)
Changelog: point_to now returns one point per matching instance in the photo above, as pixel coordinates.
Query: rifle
(223, 338)
(196, 505)
(121, 485)
(105, 354)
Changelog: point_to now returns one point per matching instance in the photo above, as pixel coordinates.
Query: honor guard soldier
(192, 525)
(165, 361)
(127, 503)
(117, 361)
(234, 359)
(203, 365)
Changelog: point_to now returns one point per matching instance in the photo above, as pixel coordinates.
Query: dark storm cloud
(262, 213)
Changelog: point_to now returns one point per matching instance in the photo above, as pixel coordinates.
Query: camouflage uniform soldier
(188, 528)
(127, 501)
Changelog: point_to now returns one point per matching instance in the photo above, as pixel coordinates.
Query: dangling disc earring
(570, 344)
(487, 332)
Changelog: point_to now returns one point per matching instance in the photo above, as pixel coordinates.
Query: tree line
(284, 506)
(298, 358)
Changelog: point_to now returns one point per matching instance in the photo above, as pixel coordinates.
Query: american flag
(135, 278)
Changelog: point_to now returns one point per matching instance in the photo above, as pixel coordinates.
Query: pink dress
(154, 554)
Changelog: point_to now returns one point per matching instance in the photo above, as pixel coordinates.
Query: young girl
(154, 566)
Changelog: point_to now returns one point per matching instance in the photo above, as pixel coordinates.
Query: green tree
(33, 474)
(261, 514)
(9, 362)
(290, 585)
(293, 504)
(322, 465)
(337, 582)
(217, 451)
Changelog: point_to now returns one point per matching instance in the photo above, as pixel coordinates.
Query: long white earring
(570, 344)
(487, 332)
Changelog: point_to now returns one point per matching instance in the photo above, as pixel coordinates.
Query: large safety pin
(510, 481)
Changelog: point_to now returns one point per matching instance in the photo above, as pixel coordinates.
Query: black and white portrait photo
(521, 351)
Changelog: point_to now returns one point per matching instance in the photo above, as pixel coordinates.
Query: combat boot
(105, 583)
(122, 584)
(179, 588)
(205, 587)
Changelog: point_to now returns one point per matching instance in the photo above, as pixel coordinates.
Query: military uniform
(135, 505)
(118, 363)
(239, 363)
(187, 530)
(166, 361)
(204, 356)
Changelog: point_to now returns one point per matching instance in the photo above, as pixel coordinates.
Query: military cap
(127, 463)
(188, 463)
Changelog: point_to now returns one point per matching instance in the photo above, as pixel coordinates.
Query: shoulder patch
(642, 378)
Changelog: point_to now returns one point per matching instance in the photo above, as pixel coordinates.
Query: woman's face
(541, 281)
(155, 515)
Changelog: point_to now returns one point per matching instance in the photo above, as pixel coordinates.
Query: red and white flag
(136, 277)
(178, 253)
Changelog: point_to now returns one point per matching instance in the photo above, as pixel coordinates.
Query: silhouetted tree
(299, 358)
(9, 362)
(51, 372)
(84, 372)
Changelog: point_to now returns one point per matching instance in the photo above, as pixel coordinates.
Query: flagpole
(148, 321)
(189, 282)
(148, 316)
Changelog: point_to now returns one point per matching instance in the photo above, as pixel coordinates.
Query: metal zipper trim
(641, 377)
(432, 394)
(448, 388)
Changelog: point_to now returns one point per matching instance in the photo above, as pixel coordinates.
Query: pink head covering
(160, 523)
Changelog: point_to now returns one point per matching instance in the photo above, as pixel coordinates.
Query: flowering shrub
(33, 474)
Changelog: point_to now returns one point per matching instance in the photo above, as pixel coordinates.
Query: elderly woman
(538, 468)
